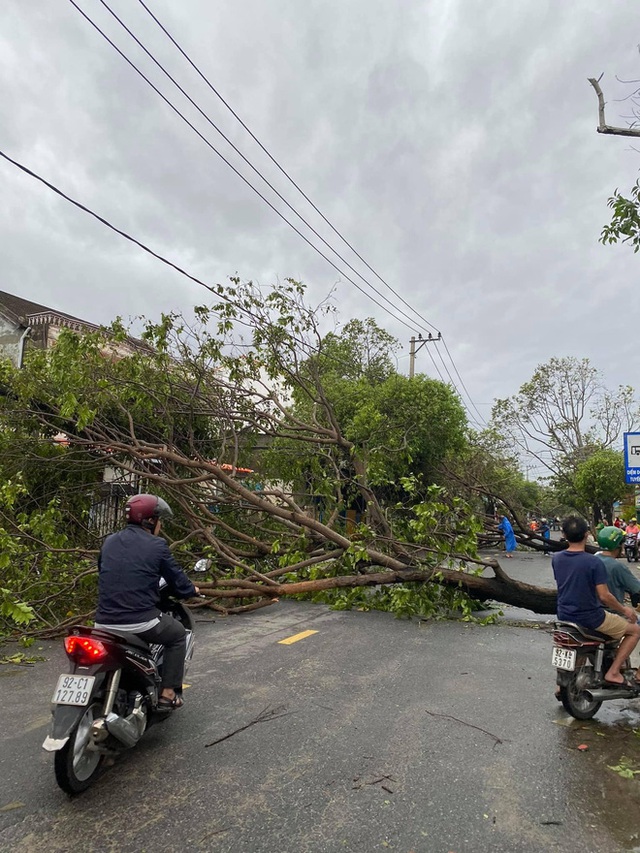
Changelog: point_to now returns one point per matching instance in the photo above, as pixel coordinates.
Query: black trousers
(173, 637)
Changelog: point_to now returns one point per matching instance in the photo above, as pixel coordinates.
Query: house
(28, 325)
(25, 324)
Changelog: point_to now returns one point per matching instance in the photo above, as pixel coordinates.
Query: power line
(154, 254)
(273, 159)
(388, 308)
(483, 420)
(143, 246)
(305, 196)
(209, 144)
(245, 159)
(210, 121)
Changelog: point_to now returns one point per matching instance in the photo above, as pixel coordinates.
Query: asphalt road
(386, 735)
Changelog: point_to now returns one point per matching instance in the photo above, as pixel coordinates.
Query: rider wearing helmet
(130, 565)
(620, 579)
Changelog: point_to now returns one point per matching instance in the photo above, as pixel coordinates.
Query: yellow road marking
(296, 637)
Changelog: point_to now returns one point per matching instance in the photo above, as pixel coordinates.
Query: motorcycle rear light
(85, 649)
(561, 638)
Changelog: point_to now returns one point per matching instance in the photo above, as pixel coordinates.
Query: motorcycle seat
(588, 633)
(129, 639)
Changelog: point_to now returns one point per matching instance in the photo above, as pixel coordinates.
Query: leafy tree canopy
(599, 481)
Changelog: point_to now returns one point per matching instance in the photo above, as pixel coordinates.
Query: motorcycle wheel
(76, 767)
(574, 698)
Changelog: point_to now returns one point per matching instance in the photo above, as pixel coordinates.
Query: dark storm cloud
(453, 143)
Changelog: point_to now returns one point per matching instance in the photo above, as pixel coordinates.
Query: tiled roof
(28, 313)
(22, 309)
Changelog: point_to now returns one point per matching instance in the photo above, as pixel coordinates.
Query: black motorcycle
(631, 548)
(109, 699)
(581, 658)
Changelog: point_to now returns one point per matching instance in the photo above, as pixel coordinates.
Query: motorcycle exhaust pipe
(604, 693)
(126, 729)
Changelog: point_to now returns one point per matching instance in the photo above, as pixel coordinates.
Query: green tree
(599, 481)
(625, 219)
(362, 350)
(401, 426)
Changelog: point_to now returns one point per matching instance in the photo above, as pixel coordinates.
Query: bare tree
(634, 100)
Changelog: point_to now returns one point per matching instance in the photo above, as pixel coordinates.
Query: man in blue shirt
(583, 595)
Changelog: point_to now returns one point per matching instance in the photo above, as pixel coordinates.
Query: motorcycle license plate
(73, 690)
(564, 658)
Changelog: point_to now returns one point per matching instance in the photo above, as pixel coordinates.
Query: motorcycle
(631, 548)
(109, 698)
(581, 658)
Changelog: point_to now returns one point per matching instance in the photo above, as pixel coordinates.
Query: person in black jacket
(130, 566)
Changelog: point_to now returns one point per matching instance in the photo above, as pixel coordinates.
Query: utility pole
(420, 342)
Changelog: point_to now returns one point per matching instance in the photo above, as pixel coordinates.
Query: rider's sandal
(165, 704)
(626, 683)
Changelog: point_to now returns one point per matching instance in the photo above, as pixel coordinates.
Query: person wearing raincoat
(509, 538)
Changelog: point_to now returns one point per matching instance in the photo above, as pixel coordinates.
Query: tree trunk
(501, 587)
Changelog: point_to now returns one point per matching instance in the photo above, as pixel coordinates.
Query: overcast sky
(451, 141)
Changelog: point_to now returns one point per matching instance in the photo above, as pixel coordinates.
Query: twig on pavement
(465, 723)
(263, 717)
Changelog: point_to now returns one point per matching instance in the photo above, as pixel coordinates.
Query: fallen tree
(270, 487)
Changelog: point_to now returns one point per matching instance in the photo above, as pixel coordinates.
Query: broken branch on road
(264, 716)
(465, 723)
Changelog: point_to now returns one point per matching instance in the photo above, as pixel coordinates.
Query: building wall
(10, 335)
(44, 336)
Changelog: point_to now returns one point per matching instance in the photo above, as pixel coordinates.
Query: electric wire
(388, 308)
(305, 344)
(472, 417)
(215, 91)
(139, 243)
(210, 121)
(483, 420)
(246, 160)
(341, 272)
(274, 161)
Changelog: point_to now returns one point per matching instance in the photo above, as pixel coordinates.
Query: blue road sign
(632, 457)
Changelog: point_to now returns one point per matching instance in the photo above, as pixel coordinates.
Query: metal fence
(107, 511)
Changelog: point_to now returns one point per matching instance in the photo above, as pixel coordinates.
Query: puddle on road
(612, 716)
(611, 741)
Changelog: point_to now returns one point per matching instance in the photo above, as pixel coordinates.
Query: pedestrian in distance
(509, 537)
(545, 532)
